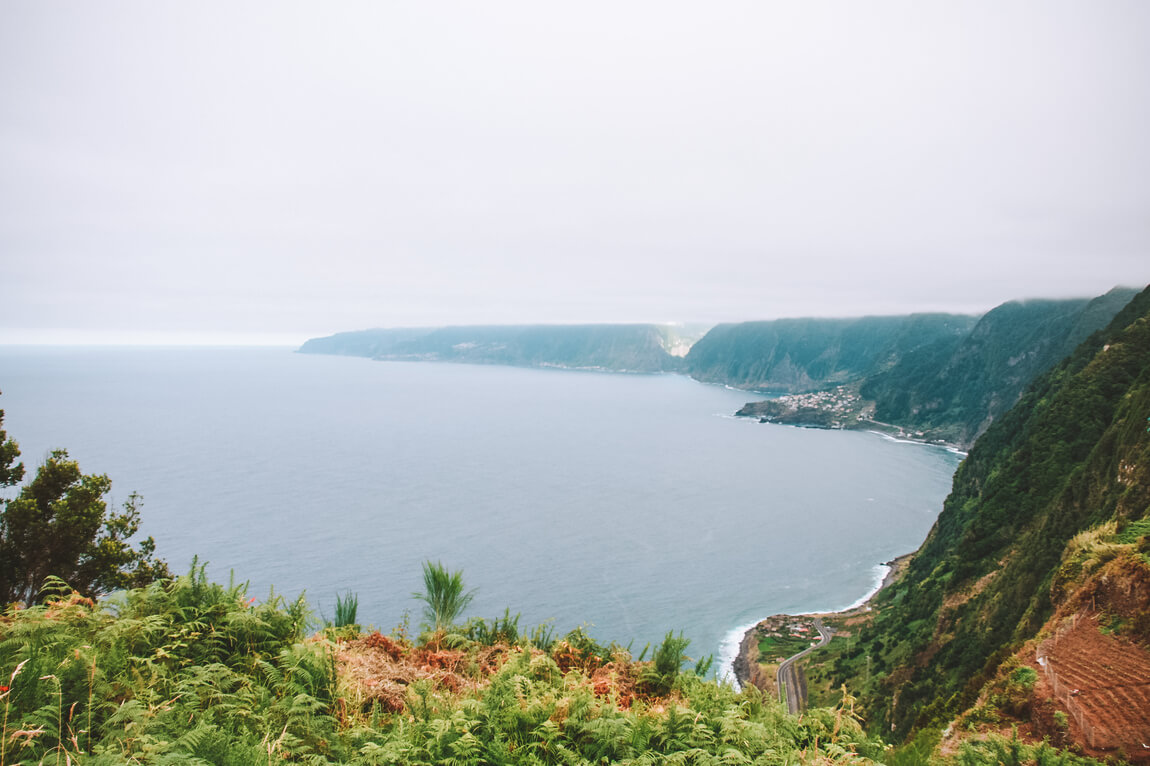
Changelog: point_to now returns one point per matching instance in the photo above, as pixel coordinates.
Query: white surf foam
(880, 572)
(729, 650)
(895, 439)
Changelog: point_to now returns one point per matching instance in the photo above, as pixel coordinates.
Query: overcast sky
(276, 170)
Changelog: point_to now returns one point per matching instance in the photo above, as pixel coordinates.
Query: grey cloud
(360, 164)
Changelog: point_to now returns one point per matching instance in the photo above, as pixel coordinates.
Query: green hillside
(936, 377)
(954, 390)
(1072, 458)
(795, 355)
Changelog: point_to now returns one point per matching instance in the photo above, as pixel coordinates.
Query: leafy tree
(443, 594)
(59, 525)
(11, 472)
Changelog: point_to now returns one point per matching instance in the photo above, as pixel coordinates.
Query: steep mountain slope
(795, 355)
(954, 391)
(632, 348)
(1072, 455)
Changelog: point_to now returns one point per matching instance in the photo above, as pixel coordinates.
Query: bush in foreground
(191, 671)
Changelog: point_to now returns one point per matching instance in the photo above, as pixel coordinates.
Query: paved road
(787, 678)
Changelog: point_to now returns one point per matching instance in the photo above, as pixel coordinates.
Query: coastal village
(843, 402)
(841, 407)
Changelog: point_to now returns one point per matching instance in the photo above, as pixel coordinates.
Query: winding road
(787, 678)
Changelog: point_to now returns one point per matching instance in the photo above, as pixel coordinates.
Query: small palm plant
(444, 596)
(346, 608)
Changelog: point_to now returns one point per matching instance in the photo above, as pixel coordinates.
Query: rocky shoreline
(747, 666)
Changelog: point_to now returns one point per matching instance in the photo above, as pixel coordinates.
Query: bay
(634, 504)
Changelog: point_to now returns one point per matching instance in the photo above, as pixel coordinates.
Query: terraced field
(1104, 685)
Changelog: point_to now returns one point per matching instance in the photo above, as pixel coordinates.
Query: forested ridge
(1056, 488)
(954, 388)
(796, 355)
(937, 377)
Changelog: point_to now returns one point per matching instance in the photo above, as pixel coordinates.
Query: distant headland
(939, 378)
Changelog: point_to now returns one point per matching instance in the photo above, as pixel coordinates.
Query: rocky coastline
(746, 666)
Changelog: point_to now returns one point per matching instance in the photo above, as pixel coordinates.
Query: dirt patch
(376, 670)
(1092, 674)
(1101, 683)
(616, 681)
(952, 602)
(856, 621)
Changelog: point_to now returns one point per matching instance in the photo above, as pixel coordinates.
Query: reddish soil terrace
(1103, 684)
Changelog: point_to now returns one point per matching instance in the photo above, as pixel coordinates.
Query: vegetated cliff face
(631, 348)
(955, 388)
(943, 377)
(799, 355)
(1073, 454)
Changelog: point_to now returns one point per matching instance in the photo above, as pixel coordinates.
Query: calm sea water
(634, 504)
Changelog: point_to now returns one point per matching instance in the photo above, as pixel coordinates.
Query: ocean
(633, 505)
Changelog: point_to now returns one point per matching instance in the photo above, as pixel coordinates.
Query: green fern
(194, 672)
